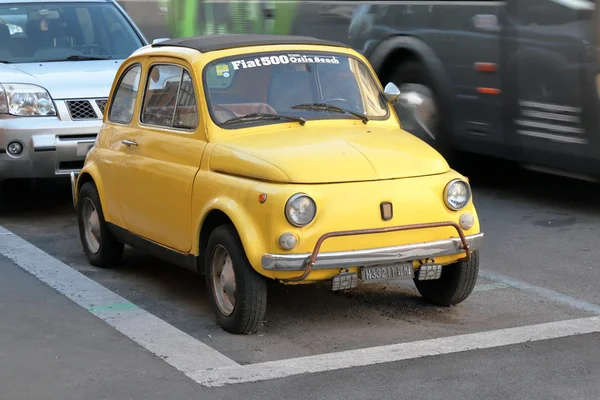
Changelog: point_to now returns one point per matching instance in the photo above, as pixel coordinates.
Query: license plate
(387, 272)
(83, 148)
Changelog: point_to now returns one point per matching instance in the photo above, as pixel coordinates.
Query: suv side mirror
(391, 92)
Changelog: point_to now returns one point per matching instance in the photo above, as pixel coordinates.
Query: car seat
(290, 86)
(5, 42)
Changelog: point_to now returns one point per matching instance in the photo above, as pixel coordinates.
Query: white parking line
(541, 291)
(177, 348)
(395, 352)
(210, 368)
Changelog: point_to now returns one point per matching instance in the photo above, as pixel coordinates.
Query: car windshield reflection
(39, 32)
(310, 86)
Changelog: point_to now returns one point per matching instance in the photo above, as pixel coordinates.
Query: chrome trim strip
(548, 106)
(382, 255)
(552, 137)
(551, 127)
(552, 116)
(73, 176)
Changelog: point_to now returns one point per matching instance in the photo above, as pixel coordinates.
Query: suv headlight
(25, 100)
(300, 209)
(457, 194)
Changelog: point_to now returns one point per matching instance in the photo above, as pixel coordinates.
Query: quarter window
(170, 100)
(121, 108)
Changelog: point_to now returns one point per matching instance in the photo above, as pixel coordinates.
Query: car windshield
(35, 32)
(276, 87)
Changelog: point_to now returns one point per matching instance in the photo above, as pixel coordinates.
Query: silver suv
(58, 60)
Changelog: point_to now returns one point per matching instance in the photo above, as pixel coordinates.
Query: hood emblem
(387, 211)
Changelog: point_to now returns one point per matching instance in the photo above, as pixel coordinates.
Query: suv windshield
(283, 86)
(35, 32)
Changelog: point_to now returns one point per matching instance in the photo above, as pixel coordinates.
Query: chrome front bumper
(363, 258)
(52, 146)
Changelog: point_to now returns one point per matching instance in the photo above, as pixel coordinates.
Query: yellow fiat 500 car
(249, 157)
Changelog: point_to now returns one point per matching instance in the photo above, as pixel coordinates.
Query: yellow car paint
(174, 179)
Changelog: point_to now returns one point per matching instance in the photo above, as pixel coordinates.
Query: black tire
(455, 284)
(414, 72)
(251, 288)
(110, 250)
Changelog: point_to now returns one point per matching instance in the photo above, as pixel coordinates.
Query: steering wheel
(351, 106)
(230, 114)
(336, 99)
(101, 50)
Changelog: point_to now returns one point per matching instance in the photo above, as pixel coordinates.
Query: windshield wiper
(329, 107)
(76, 58)
(262, 116)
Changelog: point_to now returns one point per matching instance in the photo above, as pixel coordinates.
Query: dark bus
(515, 79)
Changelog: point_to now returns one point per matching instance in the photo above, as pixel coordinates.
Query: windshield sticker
(283, 59)
(223, 70)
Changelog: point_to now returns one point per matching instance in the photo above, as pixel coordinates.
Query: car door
(548, 43)
(163, 156)
(466, 37)
(114, 131)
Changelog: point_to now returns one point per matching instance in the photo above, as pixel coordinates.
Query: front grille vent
(101, 105)
(81, 109)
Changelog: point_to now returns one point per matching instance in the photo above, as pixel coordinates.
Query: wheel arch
(396, 50)
(226, 211)
(89, 175)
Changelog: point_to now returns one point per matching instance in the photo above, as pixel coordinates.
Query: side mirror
(418, 105)
(392, 93)
(158, 40)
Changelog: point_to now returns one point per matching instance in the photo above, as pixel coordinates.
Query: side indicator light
(485, 67)
(486, 90)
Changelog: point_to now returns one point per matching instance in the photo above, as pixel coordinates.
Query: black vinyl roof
(221, 42)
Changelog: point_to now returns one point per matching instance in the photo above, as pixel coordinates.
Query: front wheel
(238, 295)
(454, 285)
(100, 246)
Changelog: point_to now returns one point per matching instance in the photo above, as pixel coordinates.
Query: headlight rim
(290, 200)
(40, 89)
(469, 194)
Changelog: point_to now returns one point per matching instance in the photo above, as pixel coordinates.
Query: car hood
(65, 79)
(330, 155)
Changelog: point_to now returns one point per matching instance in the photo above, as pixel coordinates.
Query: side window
(121, 108)
(186, 116)
(169, 99)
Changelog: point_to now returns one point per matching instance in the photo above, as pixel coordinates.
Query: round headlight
(457, 194)
(300, 209)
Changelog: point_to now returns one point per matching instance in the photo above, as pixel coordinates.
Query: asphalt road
(538, 266)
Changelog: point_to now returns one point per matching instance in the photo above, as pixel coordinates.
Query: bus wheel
(424, 121)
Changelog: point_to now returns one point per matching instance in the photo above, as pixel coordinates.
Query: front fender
(247, 228)
(90, 172)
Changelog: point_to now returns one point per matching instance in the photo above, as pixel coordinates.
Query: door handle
(129, 142)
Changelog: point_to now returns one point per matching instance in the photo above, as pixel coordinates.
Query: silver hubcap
(223, 280)
(422, 104)
(91, 225)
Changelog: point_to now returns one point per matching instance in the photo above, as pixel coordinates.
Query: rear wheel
(237, 293)
(454, 285)
(100, 246)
